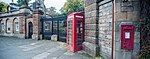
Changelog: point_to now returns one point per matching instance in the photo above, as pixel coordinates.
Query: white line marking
(32, 47)
(41, 56)
(45, 54)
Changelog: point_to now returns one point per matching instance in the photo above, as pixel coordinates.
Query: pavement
(16, 48)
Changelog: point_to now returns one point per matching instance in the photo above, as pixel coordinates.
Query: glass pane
(70, 32)
(79, 33)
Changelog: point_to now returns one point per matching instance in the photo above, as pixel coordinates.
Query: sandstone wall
(127, 12)
(98, 27)
(91, 28)
(105, 28)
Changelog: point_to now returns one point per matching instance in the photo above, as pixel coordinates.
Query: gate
(54, 26)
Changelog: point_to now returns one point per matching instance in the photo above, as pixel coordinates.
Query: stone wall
(20, 16)
(37, 27)
(8, 27)
(98, 27)
(91, 28)
(127, 13)
(8, 20)
(105, 28)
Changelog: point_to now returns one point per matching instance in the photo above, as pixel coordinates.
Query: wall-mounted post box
(127, 37)
(75, 31)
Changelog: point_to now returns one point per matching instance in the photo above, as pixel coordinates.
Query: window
(47, 26)
(16, 26)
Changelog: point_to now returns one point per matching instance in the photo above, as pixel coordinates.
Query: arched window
(8, 26)
(15, 25)
(2, 26)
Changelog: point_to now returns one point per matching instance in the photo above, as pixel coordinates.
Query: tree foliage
(145, 29)
(51, 11)
(72, 6)
(3, 7)
(23, 2)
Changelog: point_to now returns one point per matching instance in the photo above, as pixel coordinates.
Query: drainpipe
(113, 18)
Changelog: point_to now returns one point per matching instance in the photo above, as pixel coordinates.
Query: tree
(72, 6)
(144, 29)
(3, 7)
(52, 12)
(23, 2)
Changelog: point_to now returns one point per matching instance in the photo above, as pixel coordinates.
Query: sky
(48, 3)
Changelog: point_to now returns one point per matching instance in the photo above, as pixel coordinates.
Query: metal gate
(54, 26)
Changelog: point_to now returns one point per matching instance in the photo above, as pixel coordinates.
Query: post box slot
(127, 29)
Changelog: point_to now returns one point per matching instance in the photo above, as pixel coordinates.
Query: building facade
(19, 24)
(103, 20)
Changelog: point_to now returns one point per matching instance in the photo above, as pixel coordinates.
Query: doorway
(30, 29)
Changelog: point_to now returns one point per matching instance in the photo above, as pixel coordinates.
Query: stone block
(91, 20)
(127, 4)
(103, 24)
(91, 7)
(117, 26)
(127, 9)
(91, 39)
(136, 6)
(87, 15)
(103, 28)
(118, 55)
(133, 16)
(136, 47)
(122, 55)
(105, 32)
(91, 49)
(89, 2)
(35, 36)
(136, 37)
(117, 36)
(20, 35)
(90, 26)
(120, 16)
(117, 7)
(90, 33)
(105, 50)
(117, 45)
(54, 37)
(41, 37)
(94, 13)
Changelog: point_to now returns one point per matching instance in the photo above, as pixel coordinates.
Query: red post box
(75, 31)
(127, 37)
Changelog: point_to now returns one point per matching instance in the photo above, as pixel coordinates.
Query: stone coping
(21, 11)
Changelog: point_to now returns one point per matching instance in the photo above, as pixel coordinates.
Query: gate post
(37, 25)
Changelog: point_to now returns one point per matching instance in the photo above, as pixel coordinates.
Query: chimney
(12, 1)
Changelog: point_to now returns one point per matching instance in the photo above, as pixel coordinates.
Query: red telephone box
(127, 37)
(75, 31)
